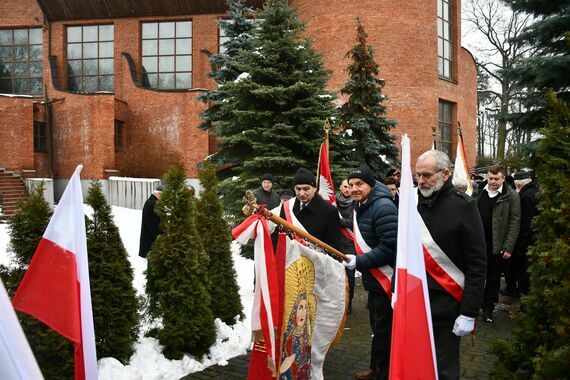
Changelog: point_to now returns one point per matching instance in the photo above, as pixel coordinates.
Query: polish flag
(413, 352)
(325, 185)
(17, 361)
(55, 288)
(265, 313)
(461, 169)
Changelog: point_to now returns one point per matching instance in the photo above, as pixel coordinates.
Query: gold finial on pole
(327, 129)
(250, 201)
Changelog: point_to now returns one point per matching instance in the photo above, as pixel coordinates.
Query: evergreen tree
(114, 299)
(540, 345)
(547, 68)
(238, 31)
(177, 274)
(275, 108)
(53, 352)
(214, 230)
(363, 116)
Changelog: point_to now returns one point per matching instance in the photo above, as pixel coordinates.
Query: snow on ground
(148, 362)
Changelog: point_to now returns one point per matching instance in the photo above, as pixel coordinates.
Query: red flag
(413, 352)
(55, 288)
(326, 186)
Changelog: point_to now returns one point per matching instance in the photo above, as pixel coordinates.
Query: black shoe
(488, 316)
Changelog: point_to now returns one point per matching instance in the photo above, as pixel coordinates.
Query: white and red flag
(265, 315)
(412, 354)
(55, 288)
(461, 169)
(17, 362)
(325, 185)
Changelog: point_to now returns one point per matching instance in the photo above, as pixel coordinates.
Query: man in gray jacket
(500, 210)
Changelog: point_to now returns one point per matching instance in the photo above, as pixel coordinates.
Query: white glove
(351, 264)
(463, 325)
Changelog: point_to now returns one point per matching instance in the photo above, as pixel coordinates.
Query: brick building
(73, 70)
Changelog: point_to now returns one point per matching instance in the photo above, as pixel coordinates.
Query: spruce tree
(215, 233)
(275, 108)
(177, 274)
(113, 296)
(547, 68)
(364, 114)
(238, 29)
(53, 352)
(540, 344)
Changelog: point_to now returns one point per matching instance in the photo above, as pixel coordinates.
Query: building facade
(114, 84)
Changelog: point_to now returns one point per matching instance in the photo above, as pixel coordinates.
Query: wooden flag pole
(327, 128)
(251, 207)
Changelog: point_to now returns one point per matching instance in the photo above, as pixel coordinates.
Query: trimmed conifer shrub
(113, 296)
(53, 352)
(540, 345)
(177, 274)
(216, 237)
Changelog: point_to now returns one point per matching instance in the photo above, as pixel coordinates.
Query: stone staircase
(12, 190)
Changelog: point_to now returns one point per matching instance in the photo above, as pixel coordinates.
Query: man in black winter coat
(377, 219)
(265, 194)
(150, 223)
(316, 215)
(453, 221)
(529, 209)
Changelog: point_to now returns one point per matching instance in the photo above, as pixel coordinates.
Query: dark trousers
(513, 268)
(493, 281)
(447, 352)
(351, 283)
(380, 313)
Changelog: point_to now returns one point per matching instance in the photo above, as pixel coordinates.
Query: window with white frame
(444, 39)
(167, 54)
(90, 58)
(21, 61)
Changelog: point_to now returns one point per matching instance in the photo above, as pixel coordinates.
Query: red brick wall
(20, 13)
(167, 118)
(16, 134)
(404, 37)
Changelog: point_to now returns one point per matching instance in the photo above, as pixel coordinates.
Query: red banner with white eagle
(325, 184)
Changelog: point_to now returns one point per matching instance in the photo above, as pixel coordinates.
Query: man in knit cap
(265, 194)
(376, 231)
(315, 215)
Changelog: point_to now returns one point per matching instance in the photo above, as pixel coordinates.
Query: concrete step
(13, 190)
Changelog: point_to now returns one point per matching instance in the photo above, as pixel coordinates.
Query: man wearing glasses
(453, 237)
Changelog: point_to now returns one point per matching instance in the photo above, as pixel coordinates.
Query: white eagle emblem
(325, 189)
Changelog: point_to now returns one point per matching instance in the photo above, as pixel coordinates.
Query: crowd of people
(473, 239)
(478, 237)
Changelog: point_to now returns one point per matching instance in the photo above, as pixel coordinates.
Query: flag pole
(326, 128)
(251, 207)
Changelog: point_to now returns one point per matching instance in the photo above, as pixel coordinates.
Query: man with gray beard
(456, 241)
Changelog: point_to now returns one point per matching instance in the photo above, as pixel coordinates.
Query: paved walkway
(353, 351)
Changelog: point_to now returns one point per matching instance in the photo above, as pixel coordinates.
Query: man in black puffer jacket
(377, 219)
